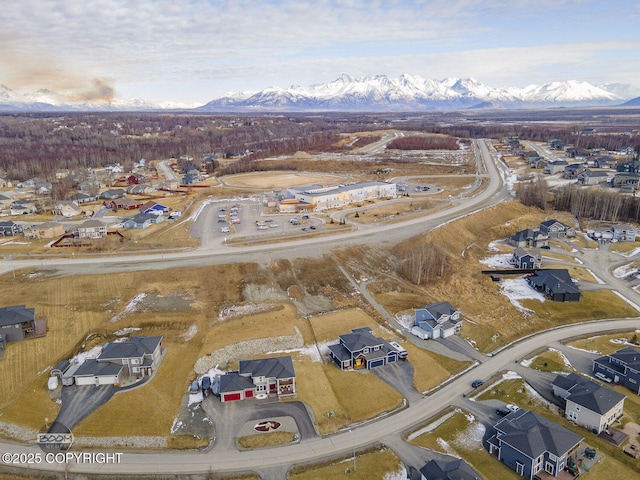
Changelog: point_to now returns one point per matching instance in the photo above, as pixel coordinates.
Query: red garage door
(230, 397)
(248, 394)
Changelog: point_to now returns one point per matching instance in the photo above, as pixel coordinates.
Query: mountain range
(373, 93)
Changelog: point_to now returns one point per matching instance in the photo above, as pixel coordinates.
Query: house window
(631, 380)
(573, 415)
(135, 369)
(365, 350)
(135, 361)
(519, 468)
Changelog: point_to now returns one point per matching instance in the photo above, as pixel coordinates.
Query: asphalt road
(339, 444)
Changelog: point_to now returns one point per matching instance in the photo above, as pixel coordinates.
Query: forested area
(424, 142)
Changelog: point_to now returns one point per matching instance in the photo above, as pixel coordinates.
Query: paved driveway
(400, 376)
(78, 402)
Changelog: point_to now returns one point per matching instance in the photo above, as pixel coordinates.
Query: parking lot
(246, 218)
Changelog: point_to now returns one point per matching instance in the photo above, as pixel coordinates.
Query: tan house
(66, 208)
(44, 230)
(92, 229)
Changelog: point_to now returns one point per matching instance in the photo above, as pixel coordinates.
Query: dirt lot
(271, 180)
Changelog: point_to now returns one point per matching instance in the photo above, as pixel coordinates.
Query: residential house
(66, 208)
(18, 322)
(526, 260)
(554, 167)
(622, 367)
(529, 443)
(360, 349)
(5, 182)
(556, 284)
(555, 144)
(532, 157)
(190, 179)
(10, 229)
(91, 229)
(45, 230)
(137, 357)
(592, 177)
(438, 320)
(572, 170)
(154, 207)
(140, 189)
(604, 162)
(113, 194)
(81, 198)
(90, 186)
(5, 202)
(259, 379)
(23, 207)
(554, 228)
(571, 152)
(529, 238)
(42, 188)
(122, 203)
(623, 232)
(629, 167)
(626, 181)
(136, 179)
(142, 220)
(448, 469)
(588, 404)
(113, 168)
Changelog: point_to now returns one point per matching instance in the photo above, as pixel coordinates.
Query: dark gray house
(529, 443)
(9, 229)
(451, 469)
(360, 349)
(622, 367)
(18, 322)
(529, 238)
(556, 284)
(525, 260)
(259, 378)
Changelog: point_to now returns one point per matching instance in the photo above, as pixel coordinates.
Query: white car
(225, 230)
(511, 407)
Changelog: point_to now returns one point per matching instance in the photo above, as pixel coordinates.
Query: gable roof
(92, 224)
(135, 347)
(276, 367)
(92, 367)
(439, 309)
(533, 434)
(588, 394)
(521, 252)
(628, 356)
(550, 223)
(456, 469)
(233, 382)
(16, 314)
(555, 280)
(360, 338)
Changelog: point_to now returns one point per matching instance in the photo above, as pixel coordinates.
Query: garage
(248, 394)
(376, 363)
(230, 397)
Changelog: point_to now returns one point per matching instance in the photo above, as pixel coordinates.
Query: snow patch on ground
(444, 445)
(624, 270)
(492, 247)
(131, 307)
(177, 425)
(399, 475)
(190, 333)
(631, 253)
(472, 437)
(82, 356)
(406, 320)
(242, 310)
(498, 261)
(516, 289)
(313, 351)
(622, 341)
(584, 350)
(125, 331)
(510, 375)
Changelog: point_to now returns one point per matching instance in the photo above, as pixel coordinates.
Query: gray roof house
(91, 229)
(137, 357)
(592, 177)
(587, 403)
(360, 349)
(622, 367)
(554, 228)
(526, 260)
(142, 220)
(9, 229)
(556, 284)
(18, 322)
(529, 443)
(529, 238)
(555, 167)
(438, 320)
(452, 469)
(623, 232)
(259, 379)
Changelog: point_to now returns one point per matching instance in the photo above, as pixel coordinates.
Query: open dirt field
(271, 180)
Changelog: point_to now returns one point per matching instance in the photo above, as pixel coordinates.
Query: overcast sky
(194, 51)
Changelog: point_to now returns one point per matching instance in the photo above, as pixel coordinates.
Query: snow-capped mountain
(411, 92)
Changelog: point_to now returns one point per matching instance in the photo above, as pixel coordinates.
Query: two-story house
(554, 228)
(621, 367)
(92, 229)
(529, 443)
(525, 260)
(10, 229)
(438, 320)
(529, 238)
(587, 403)
(18, 322)
(259, 378)
(361, 349)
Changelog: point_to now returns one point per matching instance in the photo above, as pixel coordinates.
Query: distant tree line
(424, 142)
(606, 205)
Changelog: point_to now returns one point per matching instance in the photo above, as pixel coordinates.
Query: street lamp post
(353, 438)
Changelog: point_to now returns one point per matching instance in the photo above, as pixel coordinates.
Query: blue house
(438, 320)
(142, 220)
(360, 349)
(529, 443)
(154, 207)
(525, 260)
(622, 367)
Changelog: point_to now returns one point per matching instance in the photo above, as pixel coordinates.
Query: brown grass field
(369, 465)
(266, 440)
(549, 361)
(270, 180)
(602, 343)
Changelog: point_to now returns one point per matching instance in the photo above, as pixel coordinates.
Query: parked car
(546, 247)
(304, 229)
(224, 230)
(511, 407)
(603, 377)
(222, 220)
(477, 383)
(206, 383)
(503, 411)
(312, 227)
(194, 387)
(305, 217)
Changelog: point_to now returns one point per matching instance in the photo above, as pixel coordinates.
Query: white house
(438, 320)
